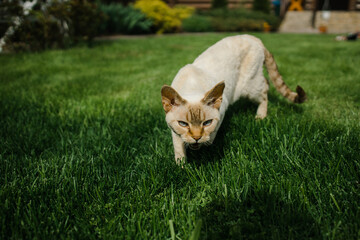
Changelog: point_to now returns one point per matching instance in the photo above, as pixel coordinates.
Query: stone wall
(339, 21)
(335, 22)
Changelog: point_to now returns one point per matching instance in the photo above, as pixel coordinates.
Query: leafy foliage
(8, 9)
(53, 24)
(121, 19)
(197, 23)
(219, 3)
(230, 25)
(262, 6)
(122, 2)
(165, 19)
(85, 19)
(227, 20)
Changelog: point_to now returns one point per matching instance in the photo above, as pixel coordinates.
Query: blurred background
(43, 24)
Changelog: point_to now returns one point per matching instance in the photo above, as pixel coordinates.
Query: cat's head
(193, 121)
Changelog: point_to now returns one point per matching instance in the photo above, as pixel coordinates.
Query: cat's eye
(207, 123)
(183, 124)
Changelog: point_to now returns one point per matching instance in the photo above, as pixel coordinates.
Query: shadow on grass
(261, 216)
(245, 108)
(215, 152)
(277, 99)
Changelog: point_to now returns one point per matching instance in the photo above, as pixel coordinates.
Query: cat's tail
(296, 97)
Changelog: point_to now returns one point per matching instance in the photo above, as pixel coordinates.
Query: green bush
(240, 25)
(197, 23)
(38, 30)
(239, 19)
(85, 19)
(261, 6)
(54, 24)
(8, 9)
(122, 2)
(121, 19)
(219, 3)
(229, 20)
(165, 18)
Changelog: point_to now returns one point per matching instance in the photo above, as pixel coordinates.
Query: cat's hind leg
(262, 99)
(261, 112)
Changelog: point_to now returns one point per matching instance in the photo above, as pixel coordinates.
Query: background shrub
(219, 3)
(229, 25)
(122, 2)
(8, 9)
(164, 18)
(85, 19)
(123, 19)
(53, 24)
(198, 23)
(40, 29)
(261, 6)
(232, 20)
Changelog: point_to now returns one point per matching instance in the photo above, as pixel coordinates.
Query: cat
(196, 102)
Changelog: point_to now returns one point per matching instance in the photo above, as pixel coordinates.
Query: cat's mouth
(195, 146)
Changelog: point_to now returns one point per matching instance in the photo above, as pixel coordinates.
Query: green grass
(85, 151)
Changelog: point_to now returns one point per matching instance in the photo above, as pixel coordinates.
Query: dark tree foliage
(8, 9)
(219, 3)
(53, 24)
(124, 20)
(123, 2)
(262, 6)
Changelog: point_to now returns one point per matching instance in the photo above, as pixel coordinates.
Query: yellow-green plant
(164, 18)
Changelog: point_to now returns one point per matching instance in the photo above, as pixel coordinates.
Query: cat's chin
(195, 146)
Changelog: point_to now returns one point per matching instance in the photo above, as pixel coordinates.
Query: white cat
(201, 92)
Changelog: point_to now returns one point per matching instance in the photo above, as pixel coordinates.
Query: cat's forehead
(195, 113)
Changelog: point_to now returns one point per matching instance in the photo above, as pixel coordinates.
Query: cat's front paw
(260, 116)
(180, 160)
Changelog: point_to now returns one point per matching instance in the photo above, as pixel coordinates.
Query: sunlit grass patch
(85, 151)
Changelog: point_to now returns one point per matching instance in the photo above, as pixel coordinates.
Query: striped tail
(296, 97)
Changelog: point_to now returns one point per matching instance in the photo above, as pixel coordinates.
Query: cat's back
(229, 51)
(232, 59)
(192, 82)
(219, 62)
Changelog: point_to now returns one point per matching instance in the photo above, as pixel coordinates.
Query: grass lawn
(85, 151)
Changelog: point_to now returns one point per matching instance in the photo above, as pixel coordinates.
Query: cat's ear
(214, 96)
(170, 98)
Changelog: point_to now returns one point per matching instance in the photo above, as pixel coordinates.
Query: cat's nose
(196, 138)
